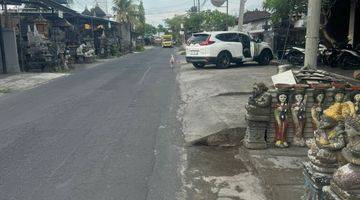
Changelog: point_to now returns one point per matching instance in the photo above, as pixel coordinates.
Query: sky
(158, 10)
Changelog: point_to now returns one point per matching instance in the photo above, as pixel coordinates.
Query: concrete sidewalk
(214, 101)
(25, 81)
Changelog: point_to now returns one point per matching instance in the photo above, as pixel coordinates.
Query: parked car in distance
(226, 47)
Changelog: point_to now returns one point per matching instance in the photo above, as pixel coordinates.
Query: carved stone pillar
(256, 130)
(257, 117)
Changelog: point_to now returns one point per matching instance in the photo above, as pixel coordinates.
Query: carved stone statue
(257, 117)
(298, 111)
(317, 109)
(346, 180)
(281, 121)
(340, 109)
(357, 104)
(325, 149)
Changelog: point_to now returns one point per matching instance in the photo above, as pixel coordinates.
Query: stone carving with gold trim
(346, 180)
(325, 149)
(298, 111)
(317, 109)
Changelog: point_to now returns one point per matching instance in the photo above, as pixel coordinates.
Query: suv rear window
(198, 38)
(228, 37)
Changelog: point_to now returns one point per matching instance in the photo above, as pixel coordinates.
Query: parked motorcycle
(296, 55)
(346, 57)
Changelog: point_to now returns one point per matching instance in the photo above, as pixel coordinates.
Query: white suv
(224, 48)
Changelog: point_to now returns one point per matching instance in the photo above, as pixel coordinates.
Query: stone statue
(317, 109)
(298, 111)
(357, 104)
(259, 98)
(325, 149)
(257, 117)
(340, 109)
(281, 120)
(346, 180)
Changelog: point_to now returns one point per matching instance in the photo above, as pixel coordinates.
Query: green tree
(126, 11)
(140, 22)
(286, 9)
(174, 24)
(150, 29)
(193, 22)
(217, 21)
(161, 29)
(201, 21)
(283, 9)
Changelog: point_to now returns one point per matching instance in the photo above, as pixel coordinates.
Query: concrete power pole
(312, 34)
(199, 6)
(241, 15)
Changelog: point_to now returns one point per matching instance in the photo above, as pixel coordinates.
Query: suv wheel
(265, 57)
(199, 65)
(223, 60)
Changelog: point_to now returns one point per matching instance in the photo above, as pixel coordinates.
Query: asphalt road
(106, 133)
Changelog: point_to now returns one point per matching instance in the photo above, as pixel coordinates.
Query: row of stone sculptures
(298, 113)
(333, 170)
(259, 113)
(334, 152)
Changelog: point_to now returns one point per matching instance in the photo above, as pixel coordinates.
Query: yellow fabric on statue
(339, 111)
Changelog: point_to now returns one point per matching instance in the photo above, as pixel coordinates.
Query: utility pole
(312, 34)
(227, 13)
(227, 7)
(199, 6)
(241, 15)
(2, 46)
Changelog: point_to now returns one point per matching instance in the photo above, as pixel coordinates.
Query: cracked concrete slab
(280, 170)
(214, 101)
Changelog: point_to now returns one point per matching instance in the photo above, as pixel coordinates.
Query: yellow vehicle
(167, 41)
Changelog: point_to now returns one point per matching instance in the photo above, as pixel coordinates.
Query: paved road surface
(107, 133)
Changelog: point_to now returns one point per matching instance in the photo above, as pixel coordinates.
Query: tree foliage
(126, 11)
(200, 21)
(283, 9)
(140, 22)
(286, 9)
(131, 14)
(150, 29)
(161, 29)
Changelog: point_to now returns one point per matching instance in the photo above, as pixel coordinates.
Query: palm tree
(126, 13)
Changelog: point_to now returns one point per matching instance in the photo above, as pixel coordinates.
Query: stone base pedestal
(255, 134)
(314, 182)
(255, 145)
(329, 194)
(333, 192)
(345, 183)
(89, 59)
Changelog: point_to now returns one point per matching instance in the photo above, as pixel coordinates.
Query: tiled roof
(255, 15)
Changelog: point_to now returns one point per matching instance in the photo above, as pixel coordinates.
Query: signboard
(218, 3)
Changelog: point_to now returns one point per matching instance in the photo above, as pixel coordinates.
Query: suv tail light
(207, 42)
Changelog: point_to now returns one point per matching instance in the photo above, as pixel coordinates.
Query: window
(228, 37)
(245, 40)
(198, 38)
